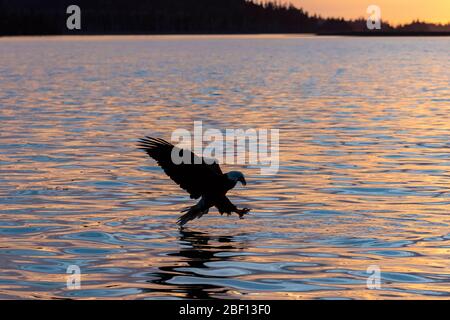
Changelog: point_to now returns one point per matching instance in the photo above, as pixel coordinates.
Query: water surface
(364, 174)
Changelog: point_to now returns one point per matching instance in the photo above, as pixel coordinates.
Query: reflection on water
(364, 172)
(197, 251)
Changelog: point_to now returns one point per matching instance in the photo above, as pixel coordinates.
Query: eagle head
(236, 176)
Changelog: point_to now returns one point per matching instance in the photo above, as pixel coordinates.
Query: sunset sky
(394, 11)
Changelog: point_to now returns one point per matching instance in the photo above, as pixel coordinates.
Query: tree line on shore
(48, 17)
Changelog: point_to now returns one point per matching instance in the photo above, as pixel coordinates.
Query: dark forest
(48, 17)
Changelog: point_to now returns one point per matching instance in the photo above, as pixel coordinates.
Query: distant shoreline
(320, 34)
(188, 17)
(387, 34)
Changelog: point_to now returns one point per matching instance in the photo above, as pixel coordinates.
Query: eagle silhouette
(200, 177)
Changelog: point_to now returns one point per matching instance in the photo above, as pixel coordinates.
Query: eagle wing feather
(197, 177)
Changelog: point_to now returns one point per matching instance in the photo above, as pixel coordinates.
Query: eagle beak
(242, 180)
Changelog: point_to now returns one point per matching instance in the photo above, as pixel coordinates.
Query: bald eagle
(200, 178)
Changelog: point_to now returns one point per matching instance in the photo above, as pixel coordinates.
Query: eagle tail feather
(194, 212)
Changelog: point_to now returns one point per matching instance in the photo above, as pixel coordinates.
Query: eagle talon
(242, 212)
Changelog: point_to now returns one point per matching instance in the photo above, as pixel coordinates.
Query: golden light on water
(363, 174)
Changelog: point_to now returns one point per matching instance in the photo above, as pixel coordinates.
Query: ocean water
(363, 182)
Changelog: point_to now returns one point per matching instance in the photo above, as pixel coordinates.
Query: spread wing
(195, 177)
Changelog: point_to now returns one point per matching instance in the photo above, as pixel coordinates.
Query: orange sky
(395, 11)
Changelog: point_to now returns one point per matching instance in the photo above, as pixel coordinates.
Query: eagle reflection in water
(197, 250)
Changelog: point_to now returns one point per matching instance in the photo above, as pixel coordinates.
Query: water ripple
(363, 179)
